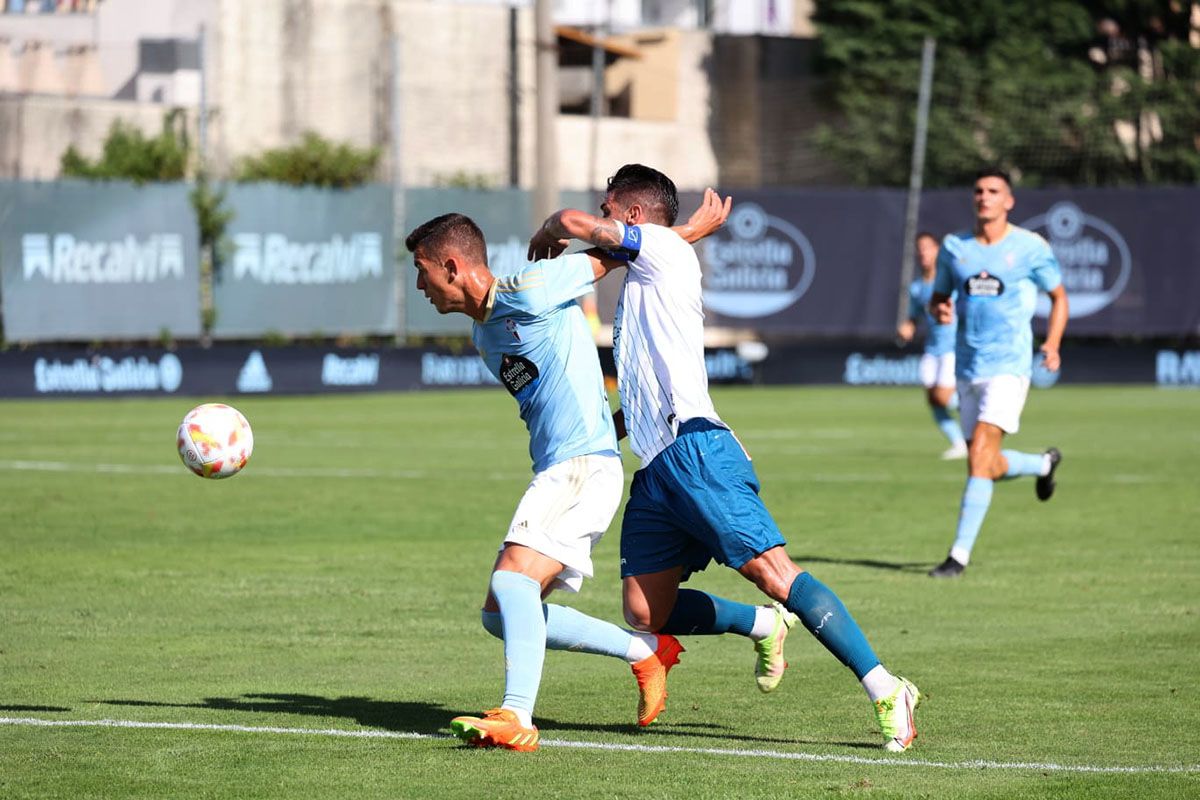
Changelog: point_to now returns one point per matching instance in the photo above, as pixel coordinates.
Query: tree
(315, 161)
(1059, 92)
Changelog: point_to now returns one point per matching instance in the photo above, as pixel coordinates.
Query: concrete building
(445, 88)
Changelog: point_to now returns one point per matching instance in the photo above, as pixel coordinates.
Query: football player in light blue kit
(535, 339)
(996, 269)
(937, 360)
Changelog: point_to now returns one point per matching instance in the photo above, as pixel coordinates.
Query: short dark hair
(646, 185)
(458, 230)
(926, 235)
(994, 172)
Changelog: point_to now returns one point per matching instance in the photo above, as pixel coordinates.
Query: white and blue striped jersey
(997, 288)
(939, 337)
(537, 342)
(658, 340)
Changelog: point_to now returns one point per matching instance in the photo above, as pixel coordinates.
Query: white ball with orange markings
(215, 440)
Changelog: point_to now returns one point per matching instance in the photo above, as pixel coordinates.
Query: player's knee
(775, 587)
(772, 581)
(641, 619)
(773, 572)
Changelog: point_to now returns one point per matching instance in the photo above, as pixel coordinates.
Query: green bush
(315, 161)
(128, 154)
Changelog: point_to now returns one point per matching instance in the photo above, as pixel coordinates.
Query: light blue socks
(524, 627)
(568, 629)
(975, 501)
(1023, 464)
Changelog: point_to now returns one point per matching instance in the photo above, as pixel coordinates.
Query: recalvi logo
(361, 370)
(275, 259)
(62, 258)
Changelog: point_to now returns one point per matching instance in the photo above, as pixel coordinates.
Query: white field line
(898, 761)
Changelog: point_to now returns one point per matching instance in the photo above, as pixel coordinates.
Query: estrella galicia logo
(984, 285)
(1093, 255)
(757, 265)
(519, 375)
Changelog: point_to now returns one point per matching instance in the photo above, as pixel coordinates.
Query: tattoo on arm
(605, 234)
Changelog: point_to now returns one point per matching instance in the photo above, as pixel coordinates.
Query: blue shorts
(696, 501)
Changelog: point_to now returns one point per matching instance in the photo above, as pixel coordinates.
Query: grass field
(334, 586)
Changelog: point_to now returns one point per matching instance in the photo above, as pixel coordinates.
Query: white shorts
(937, 370)
(565, 510)
(998, 400)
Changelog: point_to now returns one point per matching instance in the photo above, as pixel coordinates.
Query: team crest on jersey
(511, 325)
(984, 285)
(518, 374)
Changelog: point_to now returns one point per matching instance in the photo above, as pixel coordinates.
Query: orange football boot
(651, 673)
(498, 727)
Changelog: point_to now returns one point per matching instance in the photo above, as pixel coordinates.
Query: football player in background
(989, 277)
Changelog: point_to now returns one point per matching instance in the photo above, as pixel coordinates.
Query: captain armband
(631, 243)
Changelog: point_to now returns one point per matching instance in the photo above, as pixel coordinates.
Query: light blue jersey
(939, 338)
(537, 342)
(997, 288)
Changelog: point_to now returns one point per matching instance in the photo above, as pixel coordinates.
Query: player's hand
(943, 312)
(904, 333)
(1050, 358)
(706, 219)
(544, 245)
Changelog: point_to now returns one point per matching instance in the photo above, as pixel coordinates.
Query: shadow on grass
(427, 718)
(387, 715)
(896, 566)
(33, 708)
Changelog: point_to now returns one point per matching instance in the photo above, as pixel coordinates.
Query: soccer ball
(215, 440)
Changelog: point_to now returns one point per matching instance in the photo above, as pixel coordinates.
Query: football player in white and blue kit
(989, 277)
(534, 338)
(695, 497)
(937, 360)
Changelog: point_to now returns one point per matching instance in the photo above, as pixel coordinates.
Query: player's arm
(619, 423)
(941, 307)
(561, 227)
(612, 237)
(907, 329)
(941, 304)
(707, 219)
(1055, 326)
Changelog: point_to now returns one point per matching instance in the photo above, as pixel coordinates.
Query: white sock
(764, 623)
(1045, 464)
(524, 716)
(961, 555)
(641, 645)
(879, 683)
